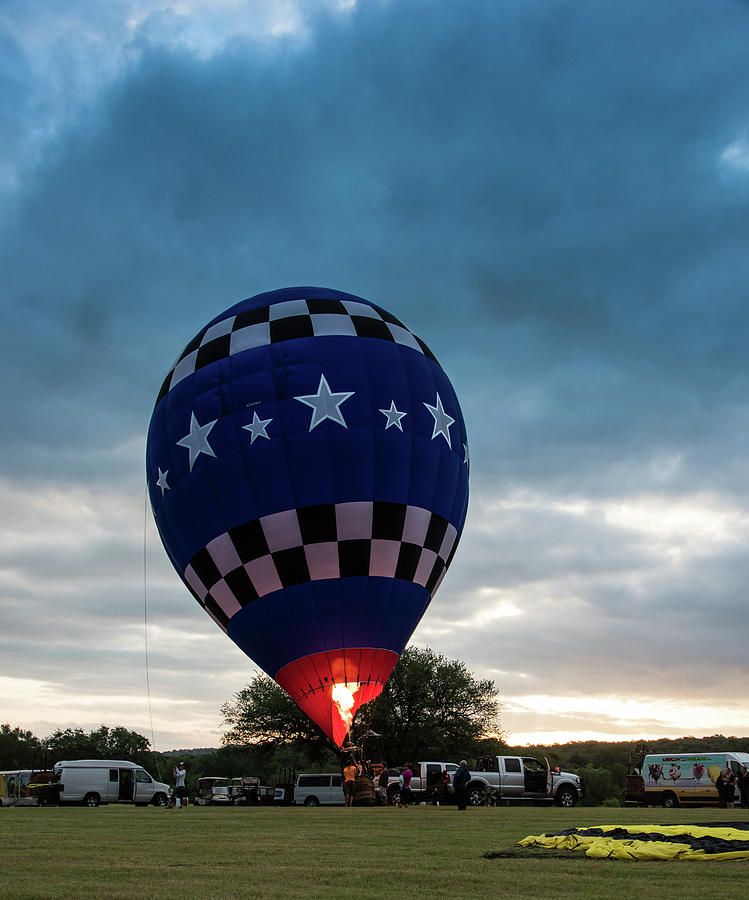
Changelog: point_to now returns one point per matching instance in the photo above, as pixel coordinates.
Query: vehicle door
(336, 790)
(312, 786)
(434, 780)
(534, 777)
(326, 792)
(511, 777)
(127, 786)
(143, 792)
(112, 786)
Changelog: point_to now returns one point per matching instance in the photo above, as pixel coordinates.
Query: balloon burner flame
(343, 700)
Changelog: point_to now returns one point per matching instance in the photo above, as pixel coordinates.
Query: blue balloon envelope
(307, 465)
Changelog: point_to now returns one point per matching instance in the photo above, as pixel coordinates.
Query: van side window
(114, 775)
(512, 765)
(314, 780)
(337, 780)
(142, 776)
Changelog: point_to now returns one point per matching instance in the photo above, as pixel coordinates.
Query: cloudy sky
(553, 194)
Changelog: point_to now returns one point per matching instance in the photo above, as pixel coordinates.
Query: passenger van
(95, 781)
(316, 790)
(672, 779)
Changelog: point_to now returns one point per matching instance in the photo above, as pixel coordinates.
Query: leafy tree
(600, 785)
(18, 748)
(434, 707)
(266, 762)
(101, 743)
(431, 706)
(263, 713)
(263, 717)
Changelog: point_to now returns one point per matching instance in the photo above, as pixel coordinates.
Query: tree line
(602, 764)
(430, 708)
(21, 749)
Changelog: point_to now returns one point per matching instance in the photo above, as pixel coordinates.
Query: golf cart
(213, 791)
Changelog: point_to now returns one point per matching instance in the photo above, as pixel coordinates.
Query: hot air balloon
(307, 464)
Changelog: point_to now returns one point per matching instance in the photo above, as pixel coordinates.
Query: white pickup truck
(522, 778)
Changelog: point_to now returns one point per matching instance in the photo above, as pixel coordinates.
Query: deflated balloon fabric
(650, 842)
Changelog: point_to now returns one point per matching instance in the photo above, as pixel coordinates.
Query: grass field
(269, 852)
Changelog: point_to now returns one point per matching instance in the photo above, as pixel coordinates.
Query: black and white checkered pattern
(318, 317)
(341, 540)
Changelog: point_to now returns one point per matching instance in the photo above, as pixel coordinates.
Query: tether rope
(145, 625)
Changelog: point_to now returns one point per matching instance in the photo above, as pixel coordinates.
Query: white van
(318, 789)
(95, 781)
(671, 779)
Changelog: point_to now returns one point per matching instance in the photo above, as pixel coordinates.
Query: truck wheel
(669, 801)
(311, 801)
(394, 798)
(566, 797)
(474, 794)
(92, 799)
(159, 800)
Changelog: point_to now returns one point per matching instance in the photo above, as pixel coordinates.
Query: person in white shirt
(180, 790)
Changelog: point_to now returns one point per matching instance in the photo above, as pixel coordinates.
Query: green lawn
(435, 852)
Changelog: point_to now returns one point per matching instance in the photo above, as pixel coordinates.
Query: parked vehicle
(266, 794)
(95, 781)
(673, 779)
(14, 788)
(430, 782)
(28, 787)
(319, 789)
(245, 789)
(213, 791)
(283, 792)
(522, 778)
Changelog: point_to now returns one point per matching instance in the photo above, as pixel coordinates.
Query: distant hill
(196, 751)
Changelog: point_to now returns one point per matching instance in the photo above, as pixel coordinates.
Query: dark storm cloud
(546, 176)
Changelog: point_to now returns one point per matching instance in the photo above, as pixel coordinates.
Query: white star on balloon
(392, 416)
(466, 458)
(325, 404)
(442, 421)
(197, 440)
(161, 482)
(257, 427)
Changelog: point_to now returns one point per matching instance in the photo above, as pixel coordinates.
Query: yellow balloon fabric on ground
(649, 842)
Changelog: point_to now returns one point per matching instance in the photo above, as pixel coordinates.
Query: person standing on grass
(349, 782)
(730, 789)
(460, 782)
(744, 787)
(405, 785)
(720, 785)
(180, 790)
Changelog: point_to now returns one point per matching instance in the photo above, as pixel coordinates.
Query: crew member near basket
(349, 782)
